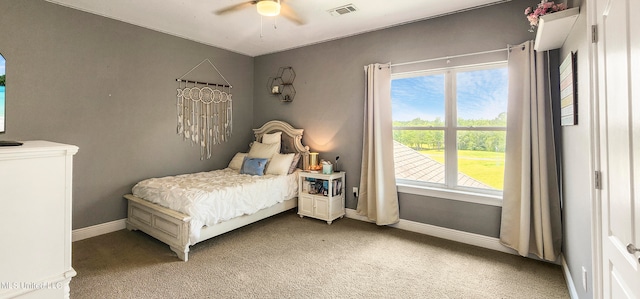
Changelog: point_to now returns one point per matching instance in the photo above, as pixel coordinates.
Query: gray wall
(576, 164)
(329, 103)
(458, 215)
(109, 88)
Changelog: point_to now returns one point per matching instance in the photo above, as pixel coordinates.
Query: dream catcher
(205, 112)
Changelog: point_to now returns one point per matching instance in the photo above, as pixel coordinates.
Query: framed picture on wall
(2, 89)
(568, 91)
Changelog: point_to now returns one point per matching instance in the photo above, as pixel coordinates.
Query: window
(449, 128)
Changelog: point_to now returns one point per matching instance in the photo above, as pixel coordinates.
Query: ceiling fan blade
(236, 7)
(287, 12)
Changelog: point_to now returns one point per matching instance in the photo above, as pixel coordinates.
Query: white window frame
(450, 189)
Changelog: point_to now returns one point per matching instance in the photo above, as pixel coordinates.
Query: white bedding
(216, 196)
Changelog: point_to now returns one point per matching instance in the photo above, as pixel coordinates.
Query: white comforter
(216, 196)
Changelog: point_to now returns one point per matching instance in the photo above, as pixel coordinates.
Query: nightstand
(321, 195)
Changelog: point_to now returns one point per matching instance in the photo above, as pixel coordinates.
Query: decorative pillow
(236, 162)
(273, 138)
(253, 166)
(261, 150)
(279, 164)
(294, 163)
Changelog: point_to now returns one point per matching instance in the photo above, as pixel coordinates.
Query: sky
(481, 94)
(2, 63)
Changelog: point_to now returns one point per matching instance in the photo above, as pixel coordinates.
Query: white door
(619, 114)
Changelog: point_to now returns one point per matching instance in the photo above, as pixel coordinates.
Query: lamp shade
(313, 163)
(268, 8)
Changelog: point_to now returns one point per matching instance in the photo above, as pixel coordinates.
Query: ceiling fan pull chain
(261, 27)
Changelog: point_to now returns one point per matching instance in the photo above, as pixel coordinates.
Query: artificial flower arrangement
(543, 8)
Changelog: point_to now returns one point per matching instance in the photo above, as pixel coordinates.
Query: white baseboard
(98, 229)
(443, 233)
(567, 276)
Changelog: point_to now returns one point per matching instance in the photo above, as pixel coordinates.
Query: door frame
(596, 196)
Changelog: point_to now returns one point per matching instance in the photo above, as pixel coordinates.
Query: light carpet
(285, 256)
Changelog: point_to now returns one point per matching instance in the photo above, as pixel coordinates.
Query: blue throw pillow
(253, 166)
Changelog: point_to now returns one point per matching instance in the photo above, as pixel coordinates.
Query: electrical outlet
(355, 191)
(584, 278)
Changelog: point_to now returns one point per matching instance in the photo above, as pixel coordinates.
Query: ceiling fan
(268, 8)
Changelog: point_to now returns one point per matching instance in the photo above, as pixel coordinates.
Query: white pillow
(279, 164)
(272, 138)
(264, 151)
(236, 162)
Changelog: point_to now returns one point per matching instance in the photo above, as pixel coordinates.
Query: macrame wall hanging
(205, 111)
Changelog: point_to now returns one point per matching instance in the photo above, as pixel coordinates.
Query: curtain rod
(449, 57)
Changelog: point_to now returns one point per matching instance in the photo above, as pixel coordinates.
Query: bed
(164, 209)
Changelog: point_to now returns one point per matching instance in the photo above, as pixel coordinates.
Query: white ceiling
(240, 31)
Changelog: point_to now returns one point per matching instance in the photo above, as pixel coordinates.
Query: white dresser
(35, 220)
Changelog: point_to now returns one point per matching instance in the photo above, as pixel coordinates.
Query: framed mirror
(2, 92)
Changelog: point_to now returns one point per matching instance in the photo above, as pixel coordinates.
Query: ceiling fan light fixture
(268, 8)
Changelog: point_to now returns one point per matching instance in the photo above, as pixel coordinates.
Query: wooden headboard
(291, 139)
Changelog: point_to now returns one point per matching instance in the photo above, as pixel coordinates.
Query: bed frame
(172, 227)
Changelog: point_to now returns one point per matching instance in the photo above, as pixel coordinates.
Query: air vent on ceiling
(345, 9)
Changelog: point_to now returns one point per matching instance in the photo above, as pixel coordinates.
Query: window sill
(466, 196)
